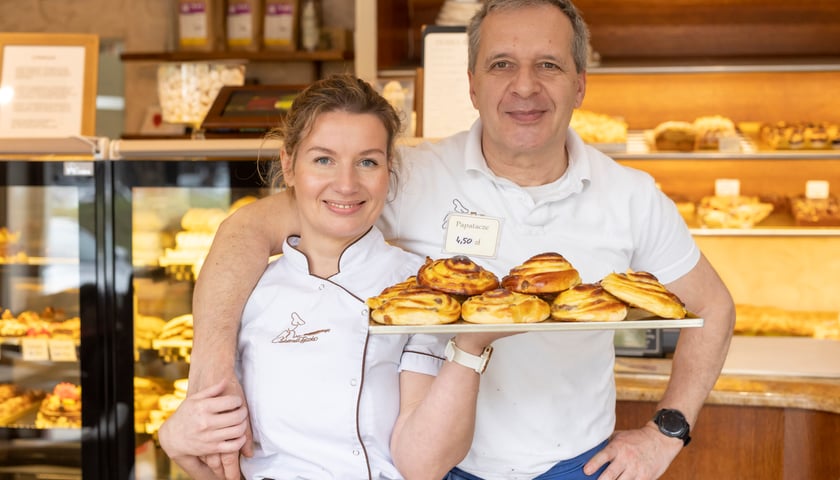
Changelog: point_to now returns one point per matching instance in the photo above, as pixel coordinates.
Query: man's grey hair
(580, 41)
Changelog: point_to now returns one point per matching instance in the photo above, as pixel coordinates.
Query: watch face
(673, 422)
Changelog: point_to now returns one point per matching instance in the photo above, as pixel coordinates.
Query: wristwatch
(474, 362)
(672, 423)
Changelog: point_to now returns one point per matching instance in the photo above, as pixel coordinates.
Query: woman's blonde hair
(336, 93)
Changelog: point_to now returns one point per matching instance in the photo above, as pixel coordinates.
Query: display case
(168, 204)
(55, 407)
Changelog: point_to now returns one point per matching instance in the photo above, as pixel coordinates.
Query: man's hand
(207, 421)
(641, 454)
(225, 464)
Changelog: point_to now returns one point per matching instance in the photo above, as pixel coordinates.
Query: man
(546, 408)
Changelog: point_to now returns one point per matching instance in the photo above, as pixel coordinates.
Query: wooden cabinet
(751, 442)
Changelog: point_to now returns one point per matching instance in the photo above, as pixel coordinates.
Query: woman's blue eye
(368, 162)
(322, 160)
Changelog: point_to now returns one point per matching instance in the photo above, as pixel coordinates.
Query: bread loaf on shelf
(765, 320)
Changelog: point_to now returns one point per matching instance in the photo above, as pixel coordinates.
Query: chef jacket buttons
(321, 286)
(356, 452)
(354, 382)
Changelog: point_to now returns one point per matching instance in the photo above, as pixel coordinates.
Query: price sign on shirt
(472, 235)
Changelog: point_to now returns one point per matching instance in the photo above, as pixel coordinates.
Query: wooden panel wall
(656, 28)
(691, 28)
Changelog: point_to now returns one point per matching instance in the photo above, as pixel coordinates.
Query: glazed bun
(546, 273)
(588, 302)
(417, 306)
(457, 275)
(504, 306)
(393, 290)
(643, 290)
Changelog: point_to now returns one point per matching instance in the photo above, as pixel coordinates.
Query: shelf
(715, 65)
(637, 148)
(261, 56)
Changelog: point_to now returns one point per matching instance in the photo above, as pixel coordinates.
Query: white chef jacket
(545, 396)
(323, 395)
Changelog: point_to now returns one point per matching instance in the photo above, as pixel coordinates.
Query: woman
(326, 400)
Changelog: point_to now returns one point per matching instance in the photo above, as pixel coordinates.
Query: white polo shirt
(549, 396)
(323, 395)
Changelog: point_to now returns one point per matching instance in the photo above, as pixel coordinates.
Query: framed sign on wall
(48, 84)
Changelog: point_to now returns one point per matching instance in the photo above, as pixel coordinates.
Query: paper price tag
(727, 187)
(35, 349)
(62, 350)
(472, 235)
(816, 189)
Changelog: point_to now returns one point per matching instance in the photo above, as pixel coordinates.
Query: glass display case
(167, 210)
(54, 419)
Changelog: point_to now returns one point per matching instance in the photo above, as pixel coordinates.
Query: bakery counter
(644, 380)
(768, 425)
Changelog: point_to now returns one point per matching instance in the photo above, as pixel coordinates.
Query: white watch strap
(473, 362)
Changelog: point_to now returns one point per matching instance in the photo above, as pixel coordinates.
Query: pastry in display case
(47, 261)
(174, 215)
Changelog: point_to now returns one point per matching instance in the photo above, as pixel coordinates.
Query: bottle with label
(280, 25)
(199, 24)
(310, 26)
(244, 24)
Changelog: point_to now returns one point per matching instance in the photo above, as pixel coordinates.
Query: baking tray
(636, 319)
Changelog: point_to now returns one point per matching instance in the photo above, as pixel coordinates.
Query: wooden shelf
(261, 56)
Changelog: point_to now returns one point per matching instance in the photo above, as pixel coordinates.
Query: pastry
(389, 292)
(598, 128)
(417, 306)
(457, 275)
(178, 327)
(588, 302)
(710, 129)
(674, 135)
(62, 408)
(15, 401)
(732, 211)
(643, 290)
(546, 273)
(503, 306)
(823, 212)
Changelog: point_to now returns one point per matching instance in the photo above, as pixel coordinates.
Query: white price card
(63, 350)
(472, 235)
(35, 349)
(816, 189)
(727, 187)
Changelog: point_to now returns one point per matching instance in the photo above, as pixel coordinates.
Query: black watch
(673, 424)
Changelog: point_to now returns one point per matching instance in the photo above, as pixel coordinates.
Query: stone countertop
(644, 379)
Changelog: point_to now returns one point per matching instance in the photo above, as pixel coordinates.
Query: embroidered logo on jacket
(290, 334)
(457, 207)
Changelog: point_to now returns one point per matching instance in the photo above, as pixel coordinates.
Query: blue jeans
(571, 469)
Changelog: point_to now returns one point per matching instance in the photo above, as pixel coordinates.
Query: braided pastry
(417, 306)
(504, 306)
(643, 290)
(457, 275)
(588, 302)
(546, 273)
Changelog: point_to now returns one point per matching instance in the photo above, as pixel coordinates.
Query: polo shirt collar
(577, 175)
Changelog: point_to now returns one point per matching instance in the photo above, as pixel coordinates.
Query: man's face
(525, 85)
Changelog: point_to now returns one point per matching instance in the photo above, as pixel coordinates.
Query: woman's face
(340, 176)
